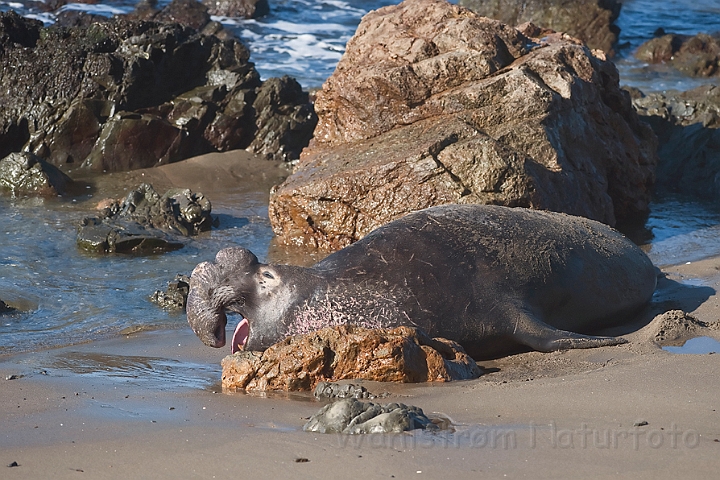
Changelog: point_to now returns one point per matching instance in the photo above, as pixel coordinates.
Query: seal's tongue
(240, 336)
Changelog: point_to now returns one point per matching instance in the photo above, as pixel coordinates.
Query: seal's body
(494, 279)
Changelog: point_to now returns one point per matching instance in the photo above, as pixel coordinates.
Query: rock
(696, 56)
(185, 12)
(190, 13)
(433, 104)
(238, 8)
(351, 416)
(27, 174)
(340, 390)
(102, 70)
(121, 236)
(284, 118)
(76, 18)
(175, 297)
(179, 210)
(146, 222)
(300, 362)
(123, 94)
(129, 141)
(74, 135)
(16, 31)
(591, 21)
(5, 308)
(687, 125)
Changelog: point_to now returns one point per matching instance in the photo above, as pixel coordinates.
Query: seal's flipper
(564, 340)
(538, 335)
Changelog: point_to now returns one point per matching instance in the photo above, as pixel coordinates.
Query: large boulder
(591, 21)
(688, 128)
(694, 55)
(300, 362)
(123, 94)
(432, 104)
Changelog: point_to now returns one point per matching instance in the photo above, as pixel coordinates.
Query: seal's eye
(267, 274)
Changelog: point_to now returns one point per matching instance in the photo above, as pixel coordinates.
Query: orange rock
(402, 354)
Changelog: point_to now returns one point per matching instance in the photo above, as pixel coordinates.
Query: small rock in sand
(351, 416)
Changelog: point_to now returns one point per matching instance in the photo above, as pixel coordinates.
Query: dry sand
(148, 405)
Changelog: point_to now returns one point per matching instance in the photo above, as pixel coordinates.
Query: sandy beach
(149, 404)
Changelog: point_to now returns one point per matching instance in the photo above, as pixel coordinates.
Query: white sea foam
(46, 18)
(291, 27)
(344, 7)
(249, 35)
(309, 46)
(280, 25)
(96, 9)
(229, 21)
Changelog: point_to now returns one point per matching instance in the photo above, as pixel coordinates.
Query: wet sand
(149, 405)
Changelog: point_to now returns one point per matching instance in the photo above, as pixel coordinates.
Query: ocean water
(638, 21)
(67, 296)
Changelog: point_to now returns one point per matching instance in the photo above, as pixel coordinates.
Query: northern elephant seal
(494, 279)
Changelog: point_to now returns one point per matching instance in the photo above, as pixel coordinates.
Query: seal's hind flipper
(564, 340)
(538, 335)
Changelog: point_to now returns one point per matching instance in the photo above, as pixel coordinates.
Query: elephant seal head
(239, 283)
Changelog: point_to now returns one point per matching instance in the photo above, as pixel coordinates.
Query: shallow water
(683, 230)
(71, 297)
(696, 346)
(638, 21)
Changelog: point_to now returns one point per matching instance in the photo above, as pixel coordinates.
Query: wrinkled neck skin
(270, 309)
(301, 300)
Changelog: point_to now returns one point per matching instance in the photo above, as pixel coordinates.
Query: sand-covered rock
(433, 104)
(324, 390)
(351, 416)
(299, 362)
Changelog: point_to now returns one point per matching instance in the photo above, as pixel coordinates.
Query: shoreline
(149, 405)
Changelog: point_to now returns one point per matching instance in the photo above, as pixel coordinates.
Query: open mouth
(240, 336)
